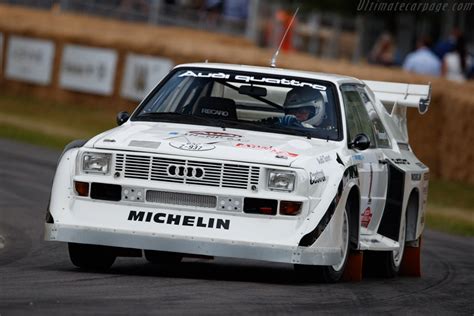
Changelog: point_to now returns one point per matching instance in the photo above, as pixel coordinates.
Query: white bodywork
(186, 222)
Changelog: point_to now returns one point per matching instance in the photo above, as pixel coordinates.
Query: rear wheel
(162, 257)
(91, 257)
(329, 274)
(387, 263)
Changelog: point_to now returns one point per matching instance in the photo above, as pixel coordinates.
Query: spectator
(423, 61)
(383, 52)
(213, 9)
(456, 63)
(235, 9)
(445, 46)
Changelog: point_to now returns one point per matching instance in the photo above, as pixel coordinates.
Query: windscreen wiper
(270, 128)
(305, 133)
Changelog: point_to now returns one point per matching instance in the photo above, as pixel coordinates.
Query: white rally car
(248, 162)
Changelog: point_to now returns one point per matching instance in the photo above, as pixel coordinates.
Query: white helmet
(306, 99)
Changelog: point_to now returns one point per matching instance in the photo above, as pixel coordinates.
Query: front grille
(181, 199)
(237, 176)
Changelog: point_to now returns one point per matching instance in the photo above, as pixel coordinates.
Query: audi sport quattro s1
(248, 162)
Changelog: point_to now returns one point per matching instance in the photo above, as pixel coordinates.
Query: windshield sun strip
(335, 134)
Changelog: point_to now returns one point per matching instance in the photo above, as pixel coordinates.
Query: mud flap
(411, 262)
(353, 270)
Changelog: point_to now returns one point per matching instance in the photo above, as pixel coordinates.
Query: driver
(303, 106)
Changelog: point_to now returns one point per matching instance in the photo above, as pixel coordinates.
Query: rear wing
(393, 94)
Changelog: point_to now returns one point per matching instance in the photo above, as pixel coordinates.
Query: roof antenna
(274, 57)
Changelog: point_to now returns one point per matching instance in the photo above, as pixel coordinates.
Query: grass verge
(33, 137)
(450, 220)
(28, 119)
(50, 124)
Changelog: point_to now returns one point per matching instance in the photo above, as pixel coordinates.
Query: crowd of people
(448, 58)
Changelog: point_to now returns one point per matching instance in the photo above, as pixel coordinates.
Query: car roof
(338, 79)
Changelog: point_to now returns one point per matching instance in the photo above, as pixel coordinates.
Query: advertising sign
(88, 69)
(142, 73)
(29, 60)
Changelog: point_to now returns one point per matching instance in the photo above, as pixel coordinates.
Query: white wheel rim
(398, 254)
(345, 242)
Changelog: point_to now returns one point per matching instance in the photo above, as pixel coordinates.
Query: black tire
(91, 257)
(386, 263)
(163, 257)
(328, 274)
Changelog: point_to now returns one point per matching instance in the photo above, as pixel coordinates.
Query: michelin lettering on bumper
(183, 220)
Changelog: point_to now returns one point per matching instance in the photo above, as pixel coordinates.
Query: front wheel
(329, 274)
(91, 257)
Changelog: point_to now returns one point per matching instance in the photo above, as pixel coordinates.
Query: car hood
(211, 143)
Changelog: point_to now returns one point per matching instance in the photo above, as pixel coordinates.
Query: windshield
(252, 101)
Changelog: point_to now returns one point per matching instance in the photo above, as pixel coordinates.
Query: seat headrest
(215, 107)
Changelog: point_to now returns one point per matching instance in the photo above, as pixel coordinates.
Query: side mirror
(360, 142)
(122, 117)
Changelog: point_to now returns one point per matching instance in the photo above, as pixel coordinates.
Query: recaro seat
(216, 107)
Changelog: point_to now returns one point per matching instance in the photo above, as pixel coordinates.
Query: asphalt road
(36, 277)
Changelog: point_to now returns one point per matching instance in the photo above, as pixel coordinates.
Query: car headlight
(96, 162)
(281, 180)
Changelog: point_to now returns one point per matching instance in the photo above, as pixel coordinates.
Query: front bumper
(192, 245)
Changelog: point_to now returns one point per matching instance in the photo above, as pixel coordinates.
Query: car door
(362, 118)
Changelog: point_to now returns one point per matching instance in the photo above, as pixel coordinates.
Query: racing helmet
(306, 99)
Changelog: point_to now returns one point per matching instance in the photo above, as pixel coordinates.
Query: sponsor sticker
(323, 159)
(316, 177)
(400, 161)
(272, 149)
(415, 176)
(215, 135)
(178, 220)
(253, 79)
(192, 146)
(358, 157)
(366, 217)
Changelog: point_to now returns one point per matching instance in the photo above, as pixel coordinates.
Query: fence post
(64, 4)
(252, 25)
(154, 13)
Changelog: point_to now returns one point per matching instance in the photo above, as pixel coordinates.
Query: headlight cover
(281, 180)
(96, 162)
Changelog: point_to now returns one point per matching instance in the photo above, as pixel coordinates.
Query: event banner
(29, 60)
(142, 73)
(87, 69)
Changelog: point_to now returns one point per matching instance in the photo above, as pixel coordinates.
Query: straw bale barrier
(443, 138)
